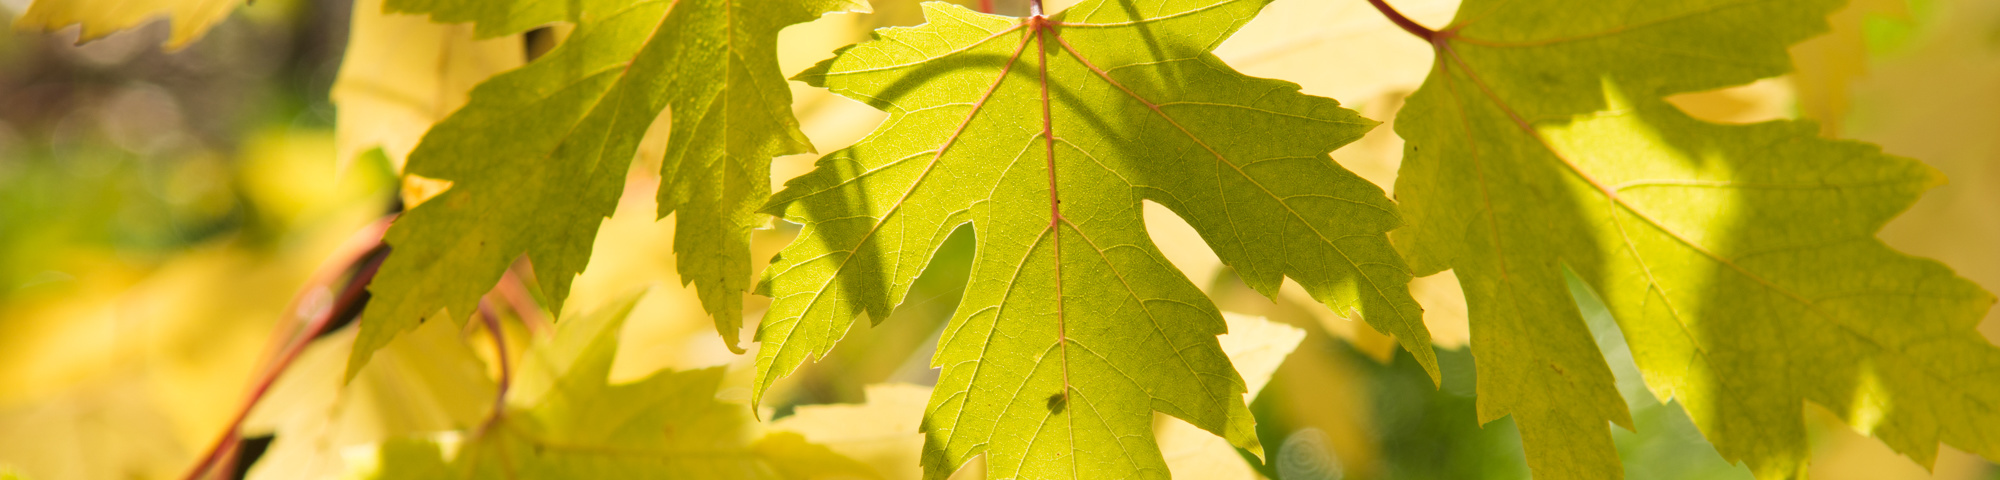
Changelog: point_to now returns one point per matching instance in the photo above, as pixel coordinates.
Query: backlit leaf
(884, 431)
(538, 156)
(566, 420)
(1044, 135)
(1739, 260)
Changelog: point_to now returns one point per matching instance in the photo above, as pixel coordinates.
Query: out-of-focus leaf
(883, 432)
(1760, 101)
(666, 329)
(123, 378)
(565, 420)
(1828, 65)
(1902, 107)
(1343, 50)
(401, 73)
(426, 381)
(189, 18)
(151, 356)
(1443, 304)
(113, 429)
(1910, 105)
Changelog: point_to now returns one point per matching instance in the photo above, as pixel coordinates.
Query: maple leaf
(566, 420)
(1256, 347)
(189, 19)
(538, 157)
(1045, 134)
(884, 431)
(427, 381)
(1739, 260)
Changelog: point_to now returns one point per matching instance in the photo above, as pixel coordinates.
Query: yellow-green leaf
(1739, 260)
(400, 74)
(1045, 134)
(567, 420)
(538, 156)
(884, 432)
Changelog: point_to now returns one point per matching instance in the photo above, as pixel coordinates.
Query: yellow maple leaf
(189, 18)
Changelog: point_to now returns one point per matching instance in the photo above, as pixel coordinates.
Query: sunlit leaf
(1739, 260)
(884, 431)
(538, 156)
(1045, 135)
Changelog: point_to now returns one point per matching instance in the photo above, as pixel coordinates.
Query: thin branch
(344, 258)
(513, 290)
(351, 295)
(500, 351)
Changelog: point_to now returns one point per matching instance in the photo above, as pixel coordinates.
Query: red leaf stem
(351, 295)
(1401, 21)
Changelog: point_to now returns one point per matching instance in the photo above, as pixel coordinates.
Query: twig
(514, 290)
(351, 294)
(344, 258)
(500, 350)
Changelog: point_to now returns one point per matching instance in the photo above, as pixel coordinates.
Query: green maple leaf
(1739, 260)
(538, 157)
(1045, 135)
(567, 421)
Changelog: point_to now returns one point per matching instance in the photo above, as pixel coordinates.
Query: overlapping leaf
(1739, 260)
(400, 74)
(568, 421)
(1045, 135)
(538, 156)
(429, 380)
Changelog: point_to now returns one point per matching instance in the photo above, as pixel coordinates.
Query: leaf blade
(1539, 146)
(1073, 313)
(542, 190)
